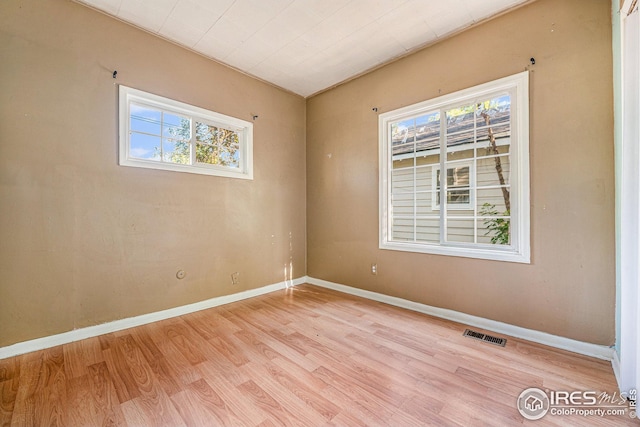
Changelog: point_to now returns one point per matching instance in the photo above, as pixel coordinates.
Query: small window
(459, 194)
(480, 137)
(160, 133)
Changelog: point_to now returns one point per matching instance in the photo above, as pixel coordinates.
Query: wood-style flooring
(304, 356)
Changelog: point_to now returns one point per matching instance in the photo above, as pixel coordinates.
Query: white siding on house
(413, 193)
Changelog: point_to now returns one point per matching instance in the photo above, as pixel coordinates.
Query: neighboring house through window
(479, 136)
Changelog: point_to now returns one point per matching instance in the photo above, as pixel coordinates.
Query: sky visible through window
(152, 129)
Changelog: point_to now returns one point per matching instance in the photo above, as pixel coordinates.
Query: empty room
(319, 213)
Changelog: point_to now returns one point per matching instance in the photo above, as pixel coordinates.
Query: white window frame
(519, 248)
(128, 96)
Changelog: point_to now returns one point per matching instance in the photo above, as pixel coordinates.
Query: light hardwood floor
(305, 356)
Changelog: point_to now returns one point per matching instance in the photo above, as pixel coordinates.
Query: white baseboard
(118, 325)
(579, 347)
(615, 364)
(588, 349)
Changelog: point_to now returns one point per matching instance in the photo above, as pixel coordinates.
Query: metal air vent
(484, 337)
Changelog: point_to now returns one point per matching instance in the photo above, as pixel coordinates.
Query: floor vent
(486, 338)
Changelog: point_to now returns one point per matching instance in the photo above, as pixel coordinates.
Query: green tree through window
(214, 145)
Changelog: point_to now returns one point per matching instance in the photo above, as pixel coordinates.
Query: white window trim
(519, 250)
(128, 95)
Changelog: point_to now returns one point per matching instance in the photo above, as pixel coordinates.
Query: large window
(480, 207)
(161, 133)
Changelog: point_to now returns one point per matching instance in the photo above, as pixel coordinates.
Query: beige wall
(85, 241)
(568, 289)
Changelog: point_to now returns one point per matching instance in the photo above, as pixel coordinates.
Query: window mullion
(192, 142)
(389, 165)
(162, 136)
(472, 173)
(443, 175)
(415, 185)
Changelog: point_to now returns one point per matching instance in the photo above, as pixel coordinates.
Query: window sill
(488, 253)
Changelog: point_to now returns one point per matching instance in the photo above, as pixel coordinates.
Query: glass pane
(402, 229)
(493, 118)
(484, 149)
(459, 145)
(493, 201)
(426, 203)
(459, 210)
(493, 171)
(428, 132)
(458, 197)
(428, 229)
(403, 132)
(458, 190)
(486, 136)
(176, 152)
(205, 133)
(457, 176)
(176, 127)
(494, 112)
(460, 230)
(210, 134)
(424, 178)
(144, 119)
(219, 146)
(403, 163)
(144, 146)
(206, 153)
(402, 204)
(231, 157)
(430, 159)
(399, 149)
(494, 231)
(460, 119)
(402, 180)
(464, 153)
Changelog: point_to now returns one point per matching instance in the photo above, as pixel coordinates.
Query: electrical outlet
(234, 278)
(374, 269)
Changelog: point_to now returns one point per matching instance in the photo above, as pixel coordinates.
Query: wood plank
(106, 408)
(8, 393)
(267, 403)
(178, 367)
(163, 373)
(200, 405)
(355, 392)
(298, 409)
(80, 409)
(24, 411)
(152, 402)
(9, 368)
(75, 362)
(302, 391)
(225, 346)
(125, 384)
(51, 395)
(256, 347)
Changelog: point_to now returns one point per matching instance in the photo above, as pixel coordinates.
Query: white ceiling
(303, 46)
